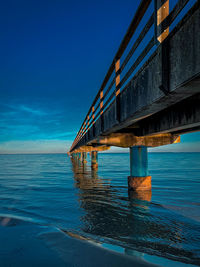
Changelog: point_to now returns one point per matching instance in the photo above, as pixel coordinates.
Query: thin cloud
(25, 122)
(37, 112)
(13, 109)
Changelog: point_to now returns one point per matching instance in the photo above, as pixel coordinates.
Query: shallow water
(95, 205)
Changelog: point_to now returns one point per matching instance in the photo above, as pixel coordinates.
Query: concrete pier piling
(94, 159)
(84, 157)
(78, 157)
(139, 178)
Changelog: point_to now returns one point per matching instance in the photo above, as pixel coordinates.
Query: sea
(56, 211)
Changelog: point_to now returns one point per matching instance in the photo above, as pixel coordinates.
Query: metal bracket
(164, 89)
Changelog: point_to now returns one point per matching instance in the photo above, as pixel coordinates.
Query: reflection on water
(132, 221)
(141, 195)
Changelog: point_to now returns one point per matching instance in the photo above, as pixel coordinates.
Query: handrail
(161, 19)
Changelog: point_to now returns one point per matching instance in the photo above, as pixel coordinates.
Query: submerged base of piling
(139, 183)
(94, 166)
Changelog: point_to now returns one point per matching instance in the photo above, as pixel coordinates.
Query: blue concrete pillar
(139, 178)
(139, 161)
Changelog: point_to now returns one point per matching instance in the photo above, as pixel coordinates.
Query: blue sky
(54, 55)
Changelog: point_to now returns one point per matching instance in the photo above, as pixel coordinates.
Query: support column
(139, 178)
(94, 159)
(84, 157)
(75, 157)
(79, 156)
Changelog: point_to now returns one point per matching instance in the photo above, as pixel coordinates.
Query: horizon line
(62, 153)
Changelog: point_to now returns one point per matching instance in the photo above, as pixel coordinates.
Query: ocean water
(51, 190)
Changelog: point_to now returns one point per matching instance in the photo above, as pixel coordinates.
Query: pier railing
(151, 25)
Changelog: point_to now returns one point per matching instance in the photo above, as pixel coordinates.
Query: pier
(151, 92)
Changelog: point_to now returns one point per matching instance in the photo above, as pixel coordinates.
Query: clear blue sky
(54, 56)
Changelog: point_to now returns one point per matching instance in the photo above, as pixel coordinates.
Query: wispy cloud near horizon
(38, 112)
(33, 128)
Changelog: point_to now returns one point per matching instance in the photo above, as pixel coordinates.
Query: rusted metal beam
(91, 148)
(129, 140)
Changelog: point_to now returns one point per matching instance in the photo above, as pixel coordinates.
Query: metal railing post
(92, 115)
(161, 13)
(155, 21)
(117, 88)
(101, 110)
(101, 103)
(117, 78)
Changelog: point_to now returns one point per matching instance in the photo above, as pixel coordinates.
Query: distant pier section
(151, 92)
